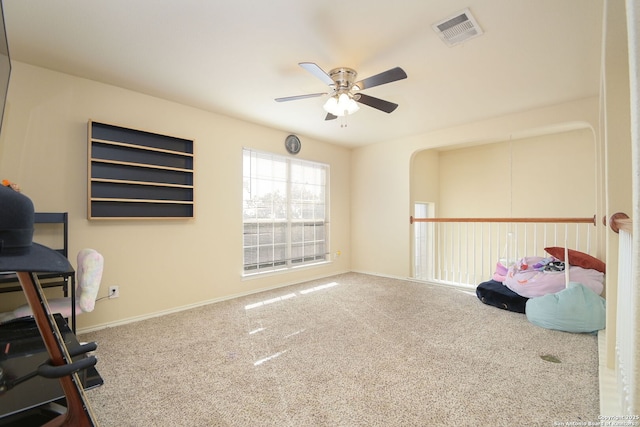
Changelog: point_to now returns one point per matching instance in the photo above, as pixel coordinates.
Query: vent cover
(458, 28)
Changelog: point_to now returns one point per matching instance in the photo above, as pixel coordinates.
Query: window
(285, 212)
(423, 241)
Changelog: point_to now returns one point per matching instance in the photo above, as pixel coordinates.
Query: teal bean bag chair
(574, 309)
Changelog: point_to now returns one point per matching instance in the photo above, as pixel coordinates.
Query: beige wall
(633, 27)
(425, 169)
(544, 176)
(616, 136)
(382, 202)
(159, 265)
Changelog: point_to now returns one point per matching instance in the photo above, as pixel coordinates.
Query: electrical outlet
(114, 291)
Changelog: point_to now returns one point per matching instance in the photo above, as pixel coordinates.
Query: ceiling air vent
(458, 28)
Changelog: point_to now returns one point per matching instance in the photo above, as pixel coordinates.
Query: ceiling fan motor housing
(344, 78)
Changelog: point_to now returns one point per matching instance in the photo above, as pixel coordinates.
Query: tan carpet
(351, 350)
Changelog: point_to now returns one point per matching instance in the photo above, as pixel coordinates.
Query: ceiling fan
(344, 94)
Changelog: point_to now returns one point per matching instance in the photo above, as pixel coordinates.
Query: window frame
(310, 246)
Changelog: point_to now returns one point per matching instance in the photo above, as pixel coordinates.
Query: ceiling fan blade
(388, 76)
(377, 103)
(318, 72)
(293, 98)
(330, 117)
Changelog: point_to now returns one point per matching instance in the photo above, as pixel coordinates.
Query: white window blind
(285, 213)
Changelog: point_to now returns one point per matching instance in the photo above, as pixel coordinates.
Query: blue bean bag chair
(574, 309)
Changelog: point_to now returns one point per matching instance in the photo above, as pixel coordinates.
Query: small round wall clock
(292, 144)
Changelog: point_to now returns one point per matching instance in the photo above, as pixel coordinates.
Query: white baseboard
(195, 305)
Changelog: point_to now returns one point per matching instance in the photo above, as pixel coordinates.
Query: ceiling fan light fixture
(341, 105)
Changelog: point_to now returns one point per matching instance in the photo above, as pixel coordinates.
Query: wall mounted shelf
(139, 175)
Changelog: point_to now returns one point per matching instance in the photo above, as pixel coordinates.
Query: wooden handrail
(591, 220)
(621, 221)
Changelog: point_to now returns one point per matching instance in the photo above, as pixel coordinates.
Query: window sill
(281, 271)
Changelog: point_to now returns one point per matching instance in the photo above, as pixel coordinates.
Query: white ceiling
(234, 57)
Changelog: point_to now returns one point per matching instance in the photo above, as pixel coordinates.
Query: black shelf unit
(135, 174)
